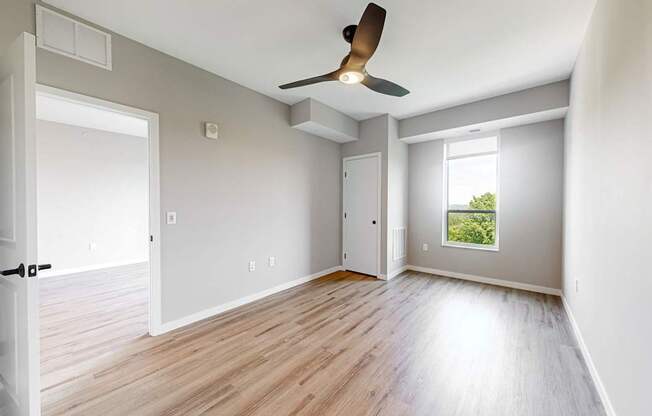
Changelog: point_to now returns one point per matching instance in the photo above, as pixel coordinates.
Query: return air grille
(63, 35)
(399, 246)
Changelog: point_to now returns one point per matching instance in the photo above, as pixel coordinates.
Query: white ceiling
(445, 52)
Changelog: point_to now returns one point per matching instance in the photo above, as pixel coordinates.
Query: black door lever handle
(20, 271)
(44, 266)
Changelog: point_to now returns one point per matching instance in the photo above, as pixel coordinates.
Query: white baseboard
(488, 280)
(396, 272)
(207, 313)
(608, 407)
(83, 269)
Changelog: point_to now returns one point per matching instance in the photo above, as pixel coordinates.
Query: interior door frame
(154, 194)
(378, 157)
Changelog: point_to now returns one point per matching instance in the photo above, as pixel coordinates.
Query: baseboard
(207, 313)
(608, 407)
(396, 272)
(488, 280)
(83, 269)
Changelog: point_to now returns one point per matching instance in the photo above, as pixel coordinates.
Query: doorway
(97, 218)
(361, 213)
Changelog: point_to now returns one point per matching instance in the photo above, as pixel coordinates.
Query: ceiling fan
(364, 38)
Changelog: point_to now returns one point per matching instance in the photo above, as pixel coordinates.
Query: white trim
(397, 272)
(488, 280)
(602, 391)
(207, 313)
(154, 194)
(41, 43)
(451, 244)
(379, 221)
(93, 267)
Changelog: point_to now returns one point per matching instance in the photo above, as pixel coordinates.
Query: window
(471, 193)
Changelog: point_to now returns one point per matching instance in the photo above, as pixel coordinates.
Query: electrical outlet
(252, 266)
(92, 246)
(425, 247)
(272, 261)
(171, 218)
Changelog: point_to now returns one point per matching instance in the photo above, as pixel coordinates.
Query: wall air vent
(399, 243)
(63, 35)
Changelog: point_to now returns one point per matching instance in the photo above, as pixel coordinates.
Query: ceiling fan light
(351, 77)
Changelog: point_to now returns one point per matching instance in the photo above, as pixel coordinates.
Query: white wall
(264, 189)
(530, 212)
(373, 139)
(608, 200)
(92, 188)
(397, 193)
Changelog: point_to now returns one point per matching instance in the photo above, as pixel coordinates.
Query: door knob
(20, 271)
(373, 222)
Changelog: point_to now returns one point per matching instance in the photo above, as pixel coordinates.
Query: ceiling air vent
(60, 34)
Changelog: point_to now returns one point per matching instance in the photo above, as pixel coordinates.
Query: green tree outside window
(474, 228)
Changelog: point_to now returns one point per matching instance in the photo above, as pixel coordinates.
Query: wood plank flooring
(341, 345)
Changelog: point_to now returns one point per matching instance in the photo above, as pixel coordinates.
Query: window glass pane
(472, 228)
(472, 187)
(470, 147)
(470, 180)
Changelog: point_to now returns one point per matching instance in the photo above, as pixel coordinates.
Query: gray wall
(264, 189)
(608, 200)
(92, 188)
(530, 198)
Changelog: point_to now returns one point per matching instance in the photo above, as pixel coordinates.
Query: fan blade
(309, 81)
(384, 87)
(367, 35)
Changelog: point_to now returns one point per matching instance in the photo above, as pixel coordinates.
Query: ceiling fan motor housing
(349, 33)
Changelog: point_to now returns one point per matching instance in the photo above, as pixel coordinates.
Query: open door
(19, 332)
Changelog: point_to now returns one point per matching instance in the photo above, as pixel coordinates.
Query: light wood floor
(341, 345)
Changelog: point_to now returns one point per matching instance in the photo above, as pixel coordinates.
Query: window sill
(470, 247)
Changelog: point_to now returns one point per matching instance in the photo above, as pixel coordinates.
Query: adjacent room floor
(342, 345)
(88, 316)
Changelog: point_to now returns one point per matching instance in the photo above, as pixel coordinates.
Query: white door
(19, 333)
(361, 197)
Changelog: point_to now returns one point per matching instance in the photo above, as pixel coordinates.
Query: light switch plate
(171, 218)
(425, 247)
(272, 261)
(252, 266)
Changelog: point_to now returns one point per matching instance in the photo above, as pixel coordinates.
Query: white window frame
(444, 218)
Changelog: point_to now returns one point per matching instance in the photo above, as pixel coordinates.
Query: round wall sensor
(211, 131)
